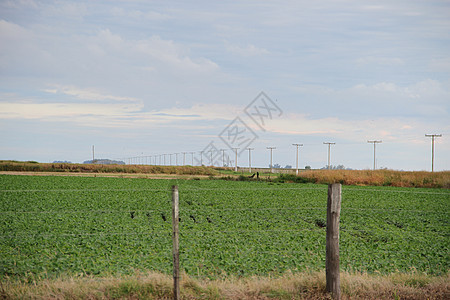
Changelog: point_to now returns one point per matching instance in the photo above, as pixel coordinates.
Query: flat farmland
(53, 226)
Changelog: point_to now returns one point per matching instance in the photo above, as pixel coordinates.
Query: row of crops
(51, 226)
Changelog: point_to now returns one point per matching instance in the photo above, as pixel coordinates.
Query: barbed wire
(26, 234)
(209, 208)
(185, 232)
(345, 189)
(84, 190)
(353, 209)
(231, 250)
(252, 230)
(78, 211)
(251, 189)
(252, 208)
(376, 232)
(324, 189)
(200, 189)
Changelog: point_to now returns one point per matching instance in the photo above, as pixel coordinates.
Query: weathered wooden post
(176, 253)
(332, 252)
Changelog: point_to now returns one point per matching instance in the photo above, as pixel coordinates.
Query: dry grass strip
(309, 285)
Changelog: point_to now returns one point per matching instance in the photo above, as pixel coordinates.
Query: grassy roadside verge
(355, 177)
(288, 286)
(381, 178)
(347, 177)
(15, 166)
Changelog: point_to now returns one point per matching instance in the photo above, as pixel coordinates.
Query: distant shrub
(242, 178)
(293, 178)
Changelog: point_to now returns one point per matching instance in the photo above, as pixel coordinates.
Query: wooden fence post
(176, 253)
(332, 252)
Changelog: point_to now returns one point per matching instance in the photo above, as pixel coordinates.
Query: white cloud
(203, 111)
(374, 7)
(375, 60)
(440, 64)
(139, 14)
(102, 56)
(152, 52)
(61, 111)
(87, 94)
(429, 90)
(123, 112)
(167, 51)
(10, 31)
(249, 50)
(65, 9)
(21, 3)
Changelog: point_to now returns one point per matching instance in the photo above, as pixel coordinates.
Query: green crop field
(52, 226)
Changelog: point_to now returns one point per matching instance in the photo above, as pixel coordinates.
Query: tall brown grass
(289, 286)
(380, 178)
(98, 168)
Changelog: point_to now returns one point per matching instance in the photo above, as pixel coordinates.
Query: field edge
(381, 177)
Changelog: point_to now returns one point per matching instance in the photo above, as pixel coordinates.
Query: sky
(146, 78)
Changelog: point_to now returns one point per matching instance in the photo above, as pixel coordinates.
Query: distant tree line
(103, 161)
(278, 166)
(338, 167)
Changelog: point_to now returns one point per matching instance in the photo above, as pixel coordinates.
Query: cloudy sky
(159, 77)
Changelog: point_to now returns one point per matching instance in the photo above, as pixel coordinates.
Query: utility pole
(433, 136)
(210, 158)
(164, 159)
(296, 158)
(176, 158)
(184, 158)
(235, 166)
(374, 144)
(170, 160)
(192, 158)
(223, 157)
(93, 155)
(250, 159)
(271, 165)
(201, 158)
(329, 154)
